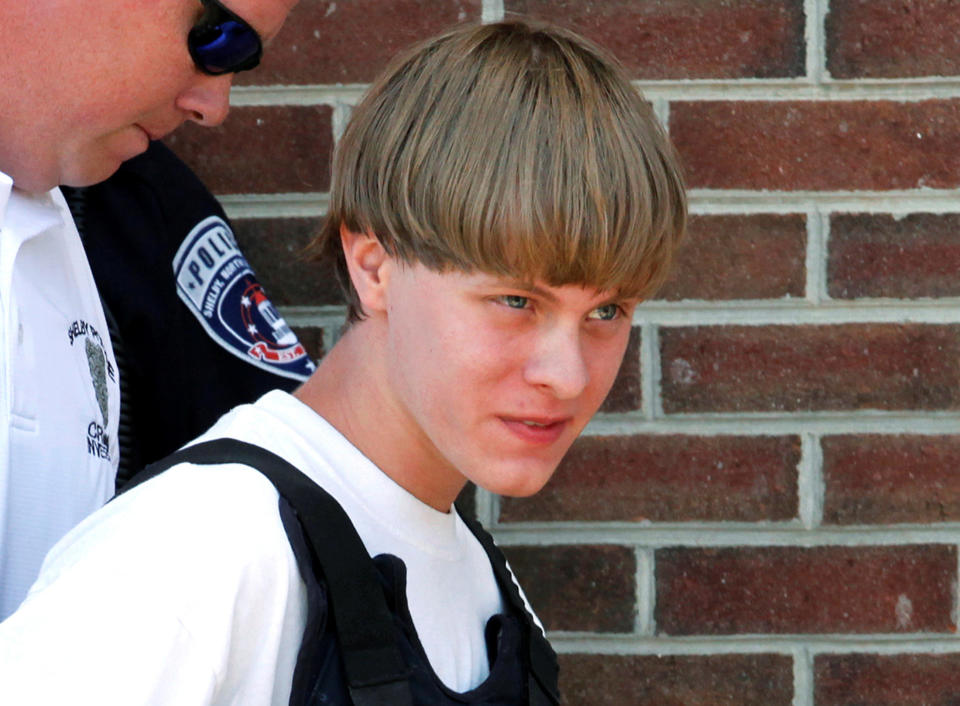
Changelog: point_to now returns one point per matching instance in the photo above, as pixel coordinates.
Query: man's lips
(537, 430)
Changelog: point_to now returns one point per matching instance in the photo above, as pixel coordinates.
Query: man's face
(493, 379)
(115, 74)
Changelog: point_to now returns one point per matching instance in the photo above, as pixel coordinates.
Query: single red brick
(800, 368)
(701, 680)
(894, 589)
(351, 41)
(884, 479)
(627, 391)
(759, 256)
(687, 38)
(668, 479)
(261, 150)
(886, 680)
(784, 145)
(277, 250)
(893, 38)
(879, 255)
(588, 588)
(312, 339)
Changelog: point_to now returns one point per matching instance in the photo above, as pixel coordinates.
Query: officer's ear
(368, 263)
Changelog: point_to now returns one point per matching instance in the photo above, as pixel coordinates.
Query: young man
(83, 87)
(502, 199)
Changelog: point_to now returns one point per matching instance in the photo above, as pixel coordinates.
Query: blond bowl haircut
(515, 149)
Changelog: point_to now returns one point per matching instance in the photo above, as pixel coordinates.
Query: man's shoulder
(191, 509)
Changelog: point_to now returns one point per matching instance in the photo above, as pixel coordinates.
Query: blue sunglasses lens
(222, 43)
(230, 46)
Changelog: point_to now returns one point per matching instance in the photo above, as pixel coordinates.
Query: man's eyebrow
(527, 286)
(532, 288)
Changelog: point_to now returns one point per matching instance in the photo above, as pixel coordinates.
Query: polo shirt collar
(27, 214)
(6, 187)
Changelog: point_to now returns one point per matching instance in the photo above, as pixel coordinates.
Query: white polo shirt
(59, 386)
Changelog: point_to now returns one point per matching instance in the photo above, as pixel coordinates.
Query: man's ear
(368, 264)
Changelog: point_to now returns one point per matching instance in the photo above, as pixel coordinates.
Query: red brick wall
(766, 511)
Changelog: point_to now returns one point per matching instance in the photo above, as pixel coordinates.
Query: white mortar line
(883, 644)
(702, 201)
(486, 507)
(305, 312)
(492, 11)
(332, 94)
(650, 373)
(810, 488)
(818, 233)
(289, 205)
(902, 201)
(493, 511)
(955, 591)
(876, 644)
(719, 534)
(341, 116)
(794, 312)
(802, 89)
(661, 108)
(815, 12)
(821, 87)
(779, 424)
(802, 677)
(646, 593)
(328, 338)
(322, 317)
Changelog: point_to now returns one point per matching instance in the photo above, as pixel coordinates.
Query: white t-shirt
(59, 387)
(185, 590)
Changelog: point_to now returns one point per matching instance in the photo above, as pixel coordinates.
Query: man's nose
(558, 363)
(207, 101)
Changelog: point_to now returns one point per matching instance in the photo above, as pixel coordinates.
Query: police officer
(84, 86)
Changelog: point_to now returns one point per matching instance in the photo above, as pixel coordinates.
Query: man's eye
(515, 301)
(608, 312)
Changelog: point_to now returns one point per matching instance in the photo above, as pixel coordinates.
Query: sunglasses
(222, 42)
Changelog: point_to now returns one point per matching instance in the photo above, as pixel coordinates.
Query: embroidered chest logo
(100, 367)
(217, 284)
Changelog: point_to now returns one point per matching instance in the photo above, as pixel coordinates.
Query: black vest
(359, 645)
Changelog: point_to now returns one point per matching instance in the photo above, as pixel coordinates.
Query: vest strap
(375, 669)
(544, 671)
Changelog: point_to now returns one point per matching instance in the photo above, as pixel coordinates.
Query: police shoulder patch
(217, 284)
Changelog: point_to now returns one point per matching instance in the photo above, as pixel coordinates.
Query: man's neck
(349, 390)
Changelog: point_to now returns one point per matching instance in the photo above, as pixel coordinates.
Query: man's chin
(93, 173)
(102, 165)
(89, 178)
